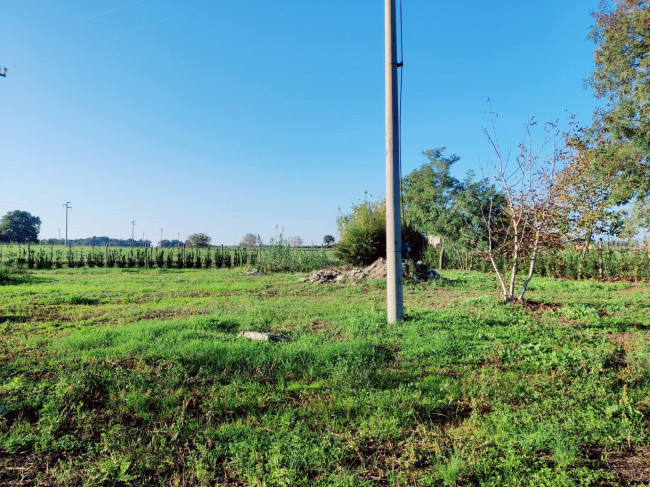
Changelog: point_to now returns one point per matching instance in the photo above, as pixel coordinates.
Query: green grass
(131, 377)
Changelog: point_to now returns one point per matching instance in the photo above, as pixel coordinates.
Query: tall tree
(583, 204)
(19, 226)
(622, 79)
(430, 197)
(441, 205)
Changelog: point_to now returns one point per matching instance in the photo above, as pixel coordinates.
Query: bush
(5, 275)
(363, 235)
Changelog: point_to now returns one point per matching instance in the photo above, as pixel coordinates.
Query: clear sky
(228, 117)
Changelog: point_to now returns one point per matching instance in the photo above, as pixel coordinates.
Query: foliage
(5, 274)
(430, 196)
(622, 77)
(417, 243)
(250, 240)
(328, 240)
(110, 241)
(639, 219)
(170, 243)
(441, 205)
(19, 227)
(362, 233)
(198, 240)
(281, 256)
(583, 190)
(270, 257)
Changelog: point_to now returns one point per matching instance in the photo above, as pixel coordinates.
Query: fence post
(321, 250)
(184, 263)
(600, 258)
(106, 257)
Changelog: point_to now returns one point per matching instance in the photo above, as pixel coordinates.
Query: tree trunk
(600, 258)
(499, 276)
(515, 268)
(531, 268)
(583, 253)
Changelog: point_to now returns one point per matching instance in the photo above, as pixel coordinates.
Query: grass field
(137, 377)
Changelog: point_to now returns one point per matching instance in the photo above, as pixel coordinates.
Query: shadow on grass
(15, 277)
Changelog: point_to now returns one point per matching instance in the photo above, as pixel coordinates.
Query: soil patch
(630, 468)
(538, 307)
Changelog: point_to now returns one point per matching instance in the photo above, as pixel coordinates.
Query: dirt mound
(377, 270)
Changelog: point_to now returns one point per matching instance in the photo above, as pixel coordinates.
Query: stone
(265, 337)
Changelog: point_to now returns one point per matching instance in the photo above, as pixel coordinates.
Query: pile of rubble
(336, 274)
(376, 270)
(423, 273)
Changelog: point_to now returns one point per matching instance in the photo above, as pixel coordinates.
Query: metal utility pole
(394, 297)
(67, 206)
(161, 230)
(132, 230)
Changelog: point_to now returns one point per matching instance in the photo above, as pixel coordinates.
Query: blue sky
(228, 117)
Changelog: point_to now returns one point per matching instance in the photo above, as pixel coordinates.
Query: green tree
(328, 240)
(582, 193)
(622, 78)
(19, 226)
(439, 204)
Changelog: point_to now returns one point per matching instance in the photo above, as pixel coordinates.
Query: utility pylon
(67, 206)
(161, 230)
(132, 231)
(394, 296)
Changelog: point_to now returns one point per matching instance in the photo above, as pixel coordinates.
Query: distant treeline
(111, 242)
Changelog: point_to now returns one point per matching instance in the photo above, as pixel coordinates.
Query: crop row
(274, 258)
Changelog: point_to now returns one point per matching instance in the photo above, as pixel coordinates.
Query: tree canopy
(439, 204)
(250, 240)
(622, 78)
(20, 227)
(198, 240)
